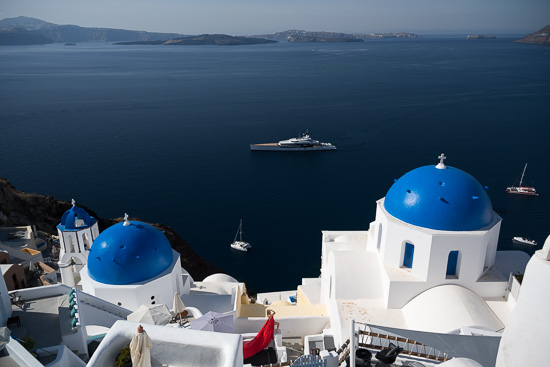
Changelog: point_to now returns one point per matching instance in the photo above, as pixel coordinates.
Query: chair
(362, 357)
(182, 316)
(388, 355)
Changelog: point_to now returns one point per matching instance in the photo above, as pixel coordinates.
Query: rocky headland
(204, 39)
(295, 34)
(540, 37)
(25, 31)
(21, 208)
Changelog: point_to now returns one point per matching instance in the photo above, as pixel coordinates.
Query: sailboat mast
(521, 179)
(241, 231)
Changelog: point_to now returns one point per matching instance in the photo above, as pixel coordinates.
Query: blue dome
(70, 217)
(129, 254)
(445, 199)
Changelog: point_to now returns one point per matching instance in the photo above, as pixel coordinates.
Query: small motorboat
(240, 244)
(525, 241)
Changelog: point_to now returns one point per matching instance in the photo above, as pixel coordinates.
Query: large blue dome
(445, 199)
(128, 254)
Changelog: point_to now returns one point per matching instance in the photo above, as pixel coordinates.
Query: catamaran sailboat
(522, 190)
(240, 244)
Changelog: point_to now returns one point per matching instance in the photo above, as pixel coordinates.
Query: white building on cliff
(428, 262)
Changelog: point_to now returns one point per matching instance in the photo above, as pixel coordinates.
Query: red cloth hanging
(260, 341)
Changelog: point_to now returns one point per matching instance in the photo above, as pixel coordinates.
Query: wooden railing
(410, 347)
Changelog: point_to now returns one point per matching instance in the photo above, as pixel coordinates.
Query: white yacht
(525, 241)
(295, 144)
(240, 244)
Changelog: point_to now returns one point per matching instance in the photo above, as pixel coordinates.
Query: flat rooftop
(39, 319)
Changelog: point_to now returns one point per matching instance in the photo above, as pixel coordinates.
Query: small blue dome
(129, 254)
(70, 217)
(445, 199)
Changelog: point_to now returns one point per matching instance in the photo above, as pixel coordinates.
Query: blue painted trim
(409, 255)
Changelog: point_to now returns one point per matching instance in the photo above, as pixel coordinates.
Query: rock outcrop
(540, 37)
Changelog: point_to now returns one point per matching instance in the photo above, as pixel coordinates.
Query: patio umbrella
(153, 314)
(214, 321)
(178, 307)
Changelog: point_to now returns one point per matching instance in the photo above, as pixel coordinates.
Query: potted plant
(124, 359)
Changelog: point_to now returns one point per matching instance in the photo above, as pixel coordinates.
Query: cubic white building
(429, 260)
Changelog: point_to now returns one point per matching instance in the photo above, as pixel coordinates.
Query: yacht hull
(279, 148)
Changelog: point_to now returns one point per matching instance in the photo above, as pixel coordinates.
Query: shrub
(123, 357)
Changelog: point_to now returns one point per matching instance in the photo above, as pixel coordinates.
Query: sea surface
(163, 133)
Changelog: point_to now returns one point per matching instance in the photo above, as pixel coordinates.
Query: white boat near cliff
(522, 190)
(240, 244)
(294, 144)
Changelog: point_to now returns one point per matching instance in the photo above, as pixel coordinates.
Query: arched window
(379, 237)
(69, 244)
(452, 264)
(408, 256)
(86, 241)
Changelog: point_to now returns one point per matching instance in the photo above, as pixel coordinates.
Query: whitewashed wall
(173, 346)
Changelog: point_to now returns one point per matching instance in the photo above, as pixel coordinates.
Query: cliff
(20, 36)
(73, 33)
(540, 37)
(21, 208)
(217, 39)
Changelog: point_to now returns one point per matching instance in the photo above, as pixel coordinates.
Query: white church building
(130, 263)
(428, 262)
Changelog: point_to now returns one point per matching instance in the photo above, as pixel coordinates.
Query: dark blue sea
(163, 134)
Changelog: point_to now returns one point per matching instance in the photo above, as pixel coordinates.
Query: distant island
(204, 39)
(295, 35)
(32, 31)
(540, 37)
(480, 37)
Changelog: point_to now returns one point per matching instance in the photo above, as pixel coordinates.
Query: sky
(245, 17)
